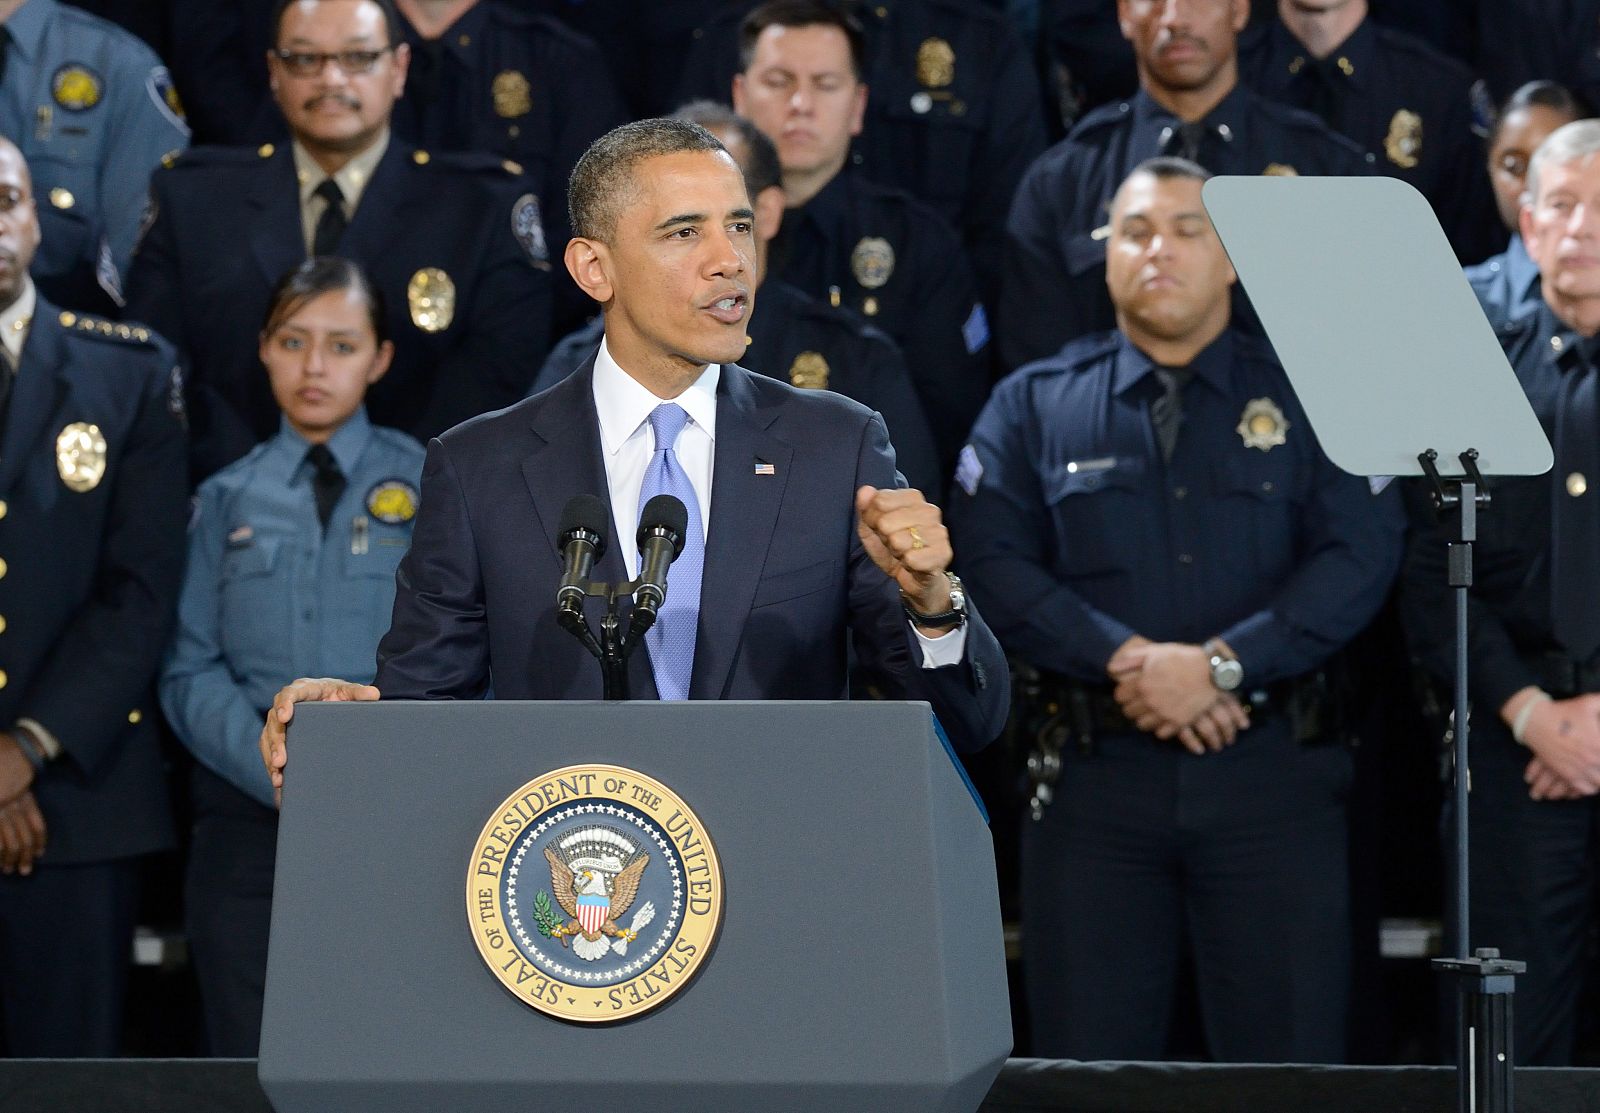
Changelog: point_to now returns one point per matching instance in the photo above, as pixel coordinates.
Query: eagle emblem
(595, 874)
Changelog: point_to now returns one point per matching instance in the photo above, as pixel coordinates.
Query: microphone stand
(614, 646)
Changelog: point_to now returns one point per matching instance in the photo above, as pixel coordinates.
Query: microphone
(663, 525)
(582, 538)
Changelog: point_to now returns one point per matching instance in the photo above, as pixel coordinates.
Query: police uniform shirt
(811, 345)
(1507, 284)
(518, 85)
(1078, 536)
(93, 111)
(1400, 100)
(351, 178)
(15, 322)
(270, 595)
(1054, 288)
(882, 253)
(954, 112)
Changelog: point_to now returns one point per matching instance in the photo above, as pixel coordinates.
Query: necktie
(1575, 556)
(1184, 141)
(327, 481)
(331, 224)
(1166, 412)
(1321, 82)
(671, 639)
(5, 48)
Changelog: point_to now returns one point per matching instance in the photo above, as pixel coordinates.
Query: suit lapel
(744, 515)
(35, 396)
(277, 239)
(570, 462)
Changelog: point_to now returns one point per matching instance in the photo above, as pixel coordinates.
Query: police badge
(81, 456)
(1262, 425)
(809, 371)
(936, 63)
(431, 297)
(594, 894)
(872, 261)
(1403, 144)
(512, 95)
(76, 88)
(392, 501)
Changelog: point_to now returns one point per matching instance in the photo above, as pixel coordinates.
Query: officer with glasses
(456, 246)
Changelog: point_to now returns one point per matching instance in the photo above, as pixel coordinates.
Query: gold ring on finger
(916, 538)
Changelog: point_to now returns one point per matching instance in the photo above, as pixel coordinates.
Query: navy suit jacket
(785, 573)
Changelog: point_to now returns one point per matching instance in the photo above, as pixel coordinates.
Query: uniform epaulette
(1084, 352)
(1107, 115)
(477, 162)
(217, 156)
(81, 324)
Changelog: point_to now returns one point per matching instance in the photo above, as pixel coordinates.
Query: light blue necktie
(671, 639)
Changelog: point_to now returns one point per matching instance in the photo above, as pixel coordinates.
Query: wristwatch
(1226, 672)
(952, 619)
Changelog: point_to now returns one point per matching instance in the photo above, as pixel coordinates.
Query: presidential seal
(1262, 425)
(594, 893)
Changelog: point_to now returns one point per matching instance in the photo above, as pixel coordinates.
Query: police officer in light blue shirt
(292, 557)
(94, 112)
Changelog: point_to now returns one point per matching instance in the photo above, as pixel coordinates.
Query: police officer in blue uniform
(1151, 522)
(871, 248)
(292, 555)
(462, 262)
(92, 505)
(1395, 96)
(1534, 649)
(794, 336)
(955, 115)
(1190, 103)
(1507, 284)
(94, 112)
(488, 76)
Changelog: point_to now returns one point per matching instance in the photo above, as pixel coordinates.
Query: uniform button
(1555, 344)
(1185, 558)
(3, 678)
(135, 716)
(2, 568)
(1180, 492)
(1577, 485)
(2, 624)
(465, 40)
(1267, 486)
(3, 508)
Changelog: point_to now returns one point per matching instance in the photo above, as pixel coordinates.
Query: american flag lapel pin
(764, 468)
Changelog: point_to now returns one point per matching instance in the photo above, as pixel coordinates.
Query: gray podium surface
(859, 965)
(1368, 310)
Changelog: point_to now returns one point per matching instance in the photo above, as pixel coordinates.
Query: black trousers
(228, 897)
(66, 941)
(1240, 857)
(1533, 890)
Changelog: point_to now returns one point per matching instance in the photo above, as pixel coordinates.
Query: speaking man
(797, 528)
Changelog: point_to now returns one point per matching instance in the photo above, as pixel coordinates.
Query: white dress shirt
(624, 406)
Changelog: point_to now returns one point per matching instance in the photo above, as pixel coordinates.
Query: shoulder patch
(969, 470)
(165, 95)
(527, 224)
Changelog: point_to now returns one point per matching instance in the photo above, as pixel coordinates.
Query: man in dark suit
(806, 535)
(462, 265)
(92, 507)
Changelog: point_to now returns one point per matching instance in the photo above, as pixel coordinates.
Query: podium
(858, 965)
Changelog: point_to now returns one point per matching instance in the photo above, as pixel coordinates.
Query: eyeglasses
(303, 63)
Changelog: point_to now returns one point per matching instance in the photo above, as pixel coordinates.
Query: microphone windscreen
(588, 514)
(668, 514)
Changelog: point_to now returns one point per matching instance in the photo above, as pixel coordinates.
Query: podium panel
(859, 963)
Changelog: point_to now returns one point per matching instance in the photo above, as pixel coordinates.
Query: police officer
(316, 519)
(955, 115)
(488, 76)
(1190, 103)
(462, 263)
(92, 504)
(1534, 651)
(1391, 93)
(872, 248)
(1151, 521)
(795, 336)
(1507, 284)
(94, 112)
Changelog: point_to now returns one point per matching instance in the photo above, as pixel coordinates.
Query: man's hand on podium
(274, 735)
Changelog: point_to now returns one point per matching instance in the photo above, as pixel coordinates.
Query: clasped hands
(1564, 735)
(1165, 688)
(22, 827)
